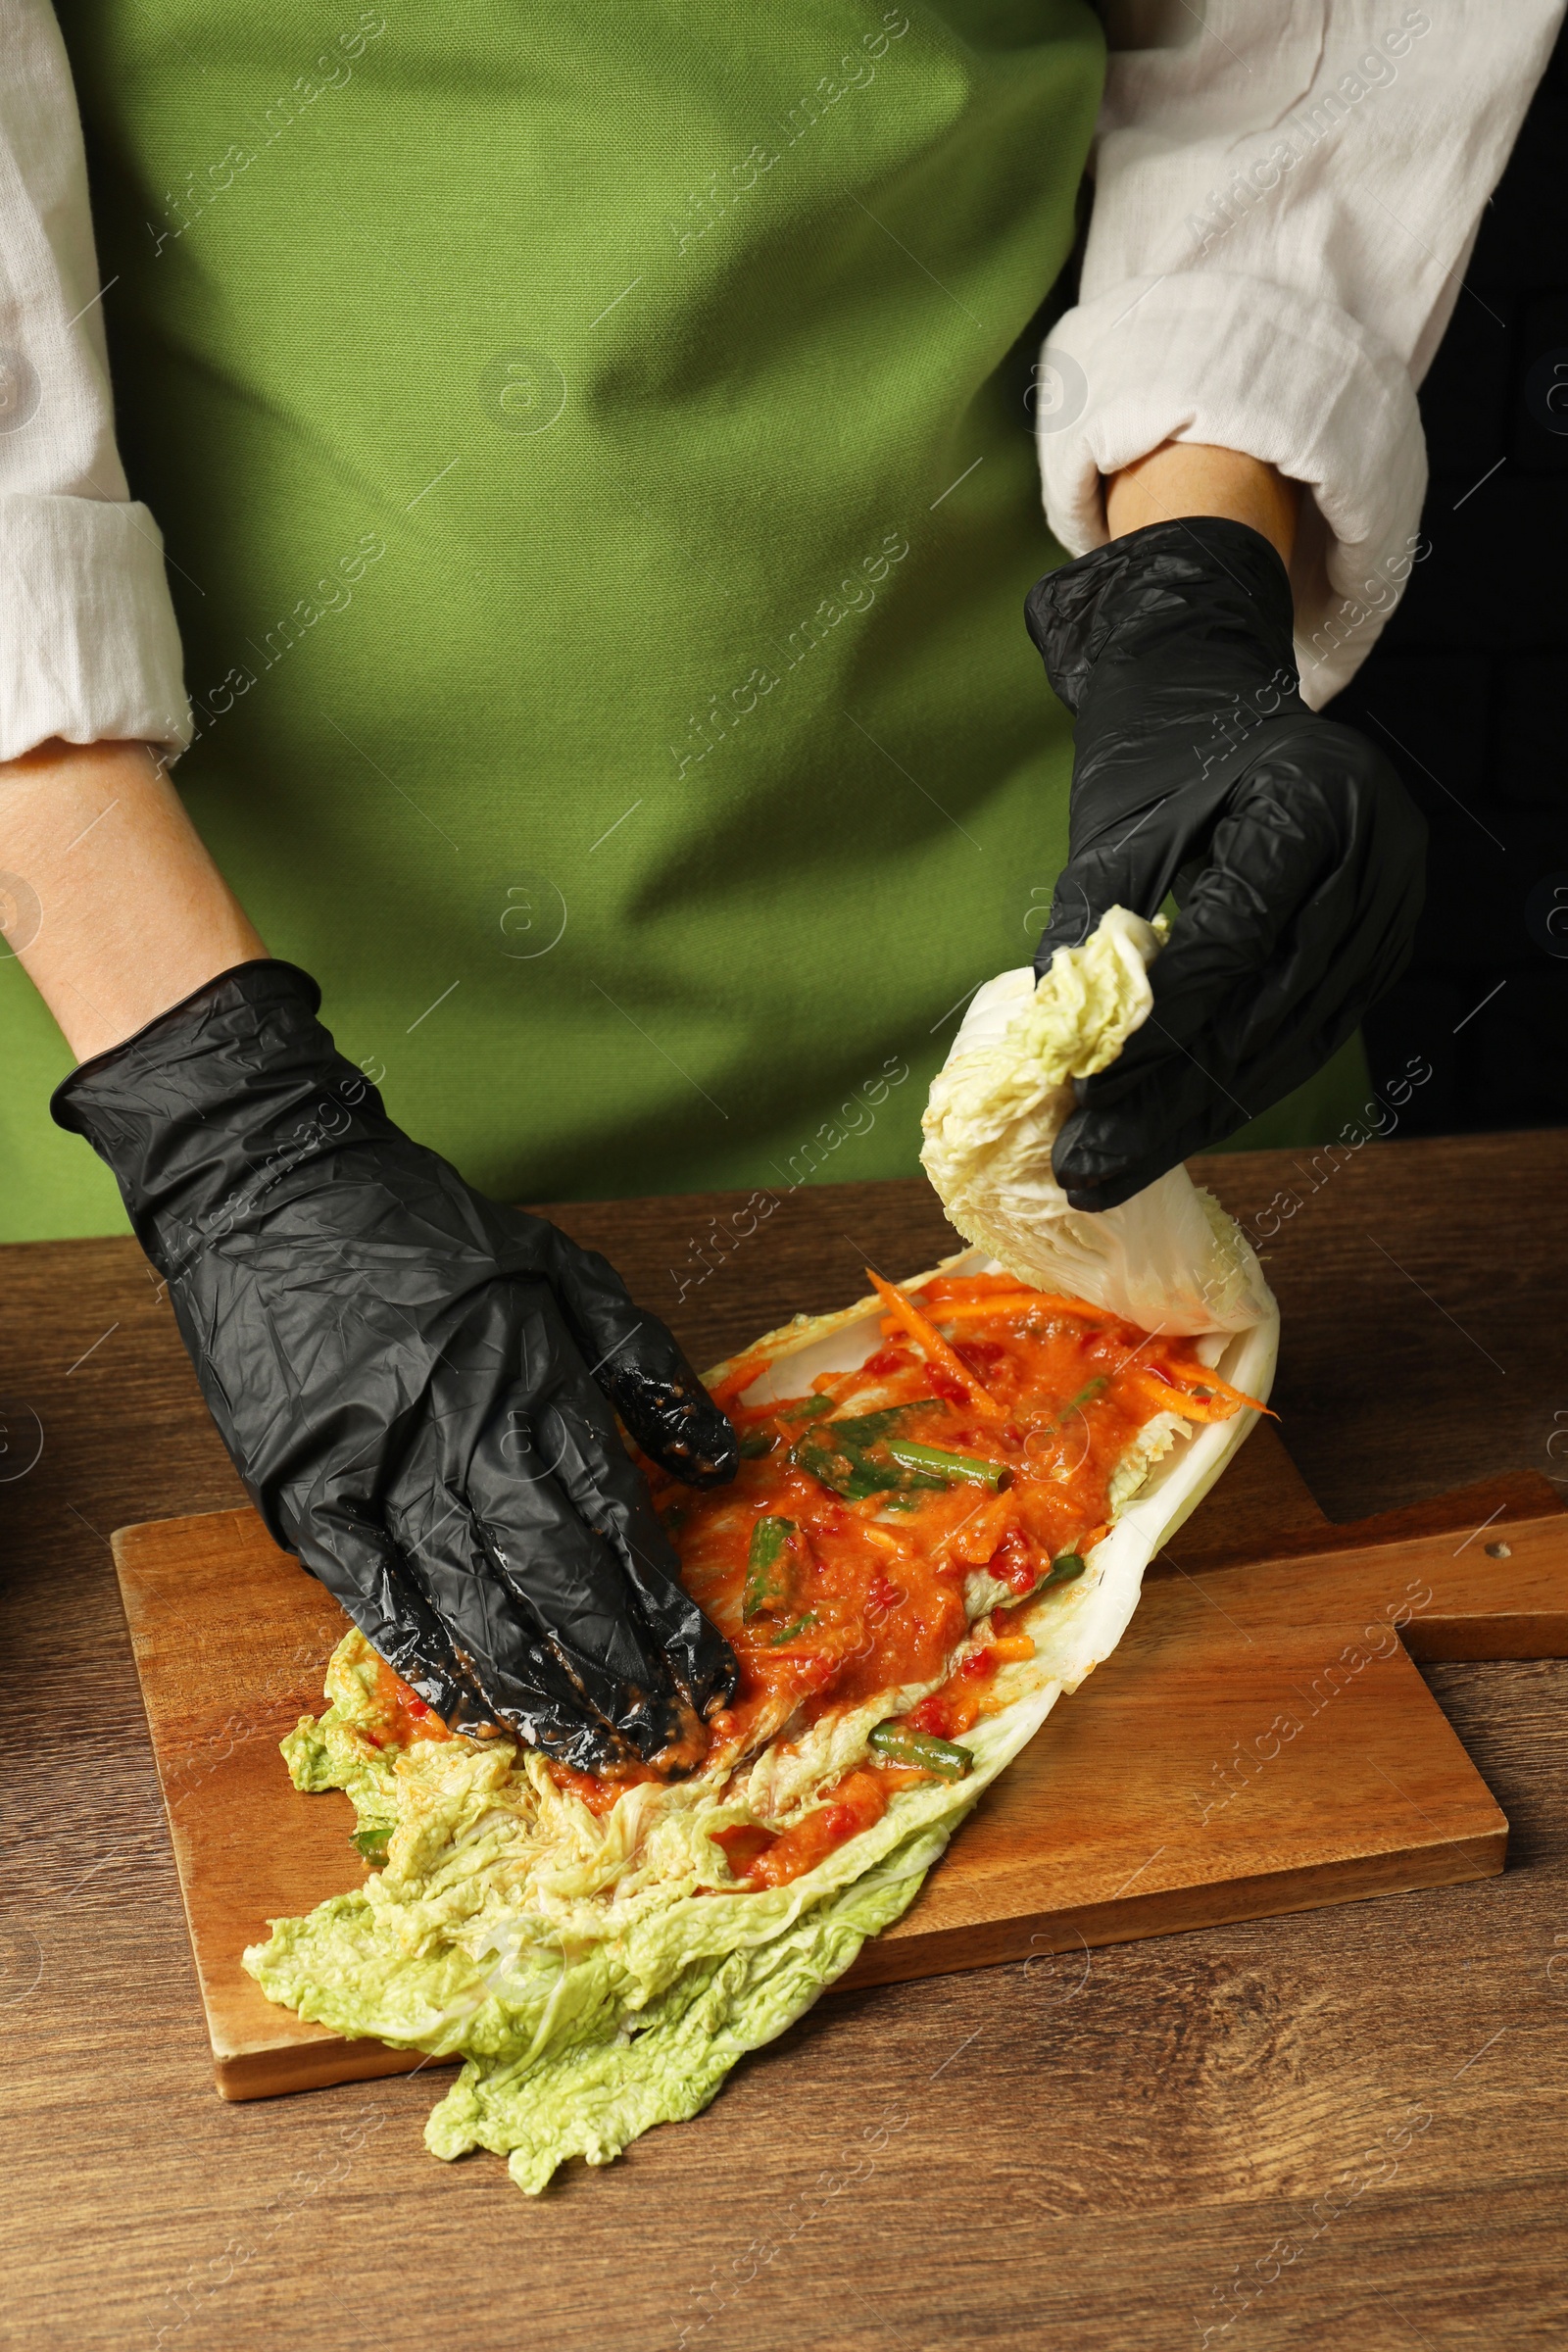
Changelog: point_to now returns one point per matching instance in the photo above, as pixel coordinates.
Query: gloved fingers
(355, 1559)
(1262, 918)
(1179, 1098)
(1084, 890)
(1176, 1104)
(1218, 1047)
(1133, 862)
(1274, 924)
(1177, 1086)
(537, 1616)
(1304, 914)
(1319, 857)
(1308, 905)
(577, 1431)
(1181, 1106)
(640, 1365)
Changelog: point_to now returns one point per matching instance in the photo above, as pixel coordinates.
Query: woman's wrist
(108, 896)
(1183, 478)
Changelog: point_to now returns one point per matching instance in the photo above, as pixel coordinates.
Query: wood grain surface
(1353, 2118)
(1259, 1742)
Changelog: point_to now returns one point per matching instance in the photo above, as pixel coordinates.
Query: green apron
(599, 501)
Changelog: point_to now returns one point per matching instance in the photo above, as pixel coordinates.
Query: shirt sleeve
(89, 650)
(1285, 202)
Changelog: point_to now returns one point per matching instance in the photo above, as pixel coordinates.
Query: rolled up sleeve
(1285, 201)
(89, 650)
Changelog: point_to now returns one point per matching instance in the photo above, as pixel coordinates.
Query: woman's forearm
(1191, 478)
(107, 894)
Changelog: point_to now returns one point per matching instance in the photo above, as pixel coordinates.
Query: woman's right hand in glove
(1293, 851)
(418, 1388)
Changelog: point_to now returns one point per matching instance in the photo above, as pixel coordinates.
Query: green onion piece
(757, 1442)
(370, 1844)
(850, 1470)
(1063, 1568)
(901, 1746)
(963, 1469)
(808, 1411)
(1084, 1396)
(832, 1470)
(769, 1570)
(802, 1625)
(866, 1428)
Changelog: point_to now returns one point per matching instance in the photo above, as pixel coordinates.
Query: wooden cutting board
(1260, 1743)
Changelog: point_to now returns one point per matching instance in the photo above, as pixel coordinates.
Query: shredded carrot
(1223, 1388)
(1009, 1303)
(1173, 1399)
(928, 1337)
(1009, 1646)
(836, 1386)
(741, 1372)
(1221, 1404)
(970, 1286)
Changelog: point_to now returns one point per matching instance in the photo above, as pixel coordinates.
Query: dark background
(1470, 675)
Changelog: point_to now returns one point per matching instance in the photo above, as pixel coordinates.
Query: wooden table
(1088, 2152)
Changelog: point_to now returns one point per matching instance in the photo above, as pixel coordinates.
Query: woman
(589, 449)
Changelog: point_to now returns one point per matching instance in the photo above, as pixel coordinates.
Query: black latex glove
(415, 1385)
(1295, 856)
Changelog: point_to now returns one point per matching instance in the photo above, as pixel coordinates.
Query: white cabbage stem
(1169, 1260)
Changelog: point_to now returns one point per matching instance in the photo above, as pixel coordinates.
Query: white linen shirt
(1285, 199)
